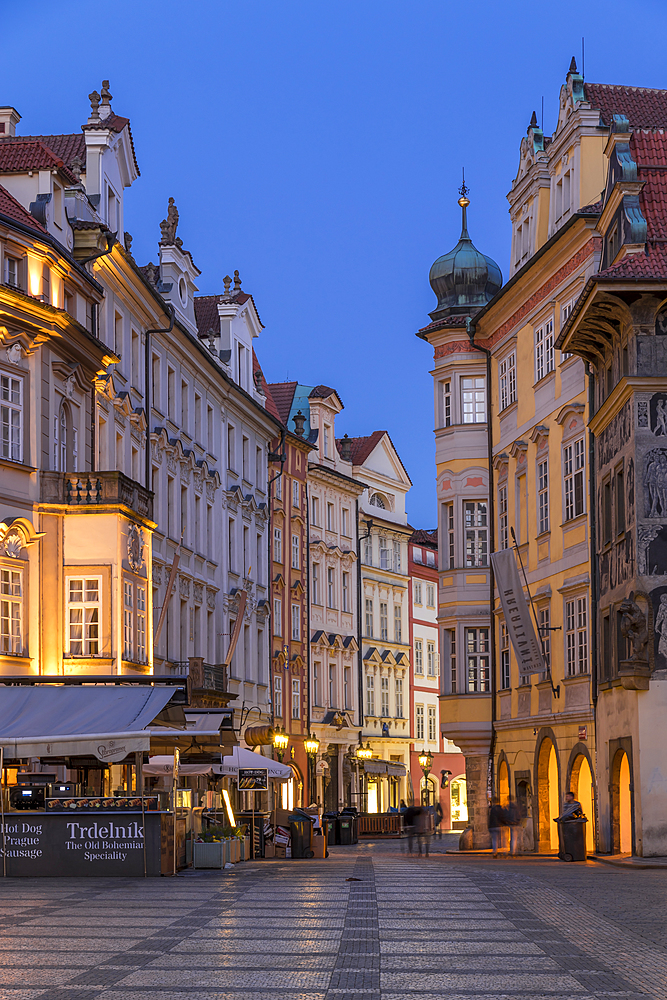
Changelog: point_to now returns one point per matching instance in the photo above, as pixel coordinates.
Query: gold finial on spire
(464, 201)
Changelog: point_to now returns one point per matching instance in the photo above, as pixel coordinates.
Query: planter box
(234, 846)
(209, 855)
(245, 849)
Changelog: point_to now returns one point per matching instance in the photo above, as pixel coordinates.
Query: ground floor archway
(621, 798)
(581, 784)
(548, 796)
(503, 784)
(458, 799)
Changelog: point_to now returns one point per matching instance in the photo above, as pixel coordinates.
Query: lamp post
(280, 742)
(425, 762)
(363, 753)
(311, 745)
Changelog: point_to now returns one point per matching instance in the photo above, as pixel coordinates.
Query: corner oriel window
(476, 539)
(477, 656)
(447, 403)
(473, 400)
(83, 616)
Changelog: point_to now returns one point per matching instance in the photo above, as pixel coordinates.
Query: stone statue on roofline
(169, 225)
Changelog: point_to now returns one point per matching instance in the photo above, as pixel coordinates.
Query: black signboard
(83, 844)
(253, 779)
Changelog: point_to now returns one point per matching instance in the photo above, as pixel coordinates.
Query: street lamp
(364, 752)
(311, 745)
(425, 761)
(280, 742)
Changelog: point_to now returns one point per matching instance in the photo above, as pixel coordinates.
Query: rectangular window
(430, 595)
(245, 449)
(620, 502)
(141, 624)
(476, 540)
(384, 697)
(507, 378)
(128, 607)
(430, 659)
(83, 616)
(278, 695)
(11, 418)
(277, 545)
(417, 555)
(432, 728)
(573, 478)
(345, 522)
(11, 612)
(277, 616)
(295, 552)
(398, 624)
(278, 486)
(327, 433)
(317, 672)
(315, 510)
(544, 619)
(430, 558)
(544, 350)
(418, 592)
(419, 719)
(449, 527)
(503, 524)
(606, 512)
(330, 517)
(295, 493)
(576, 636)
(452, 660)
(504, 657)
(231, 447)
(477, 657)
(384, 622)
(473, 400)
(347, 687)
(332, 685)
(258, 467)
(296, 699)
(296, 622)
(447, 400)
(370, 694)
(565, 314)
(419, 656)
(368, 552)
(369, 619)
(12, 272)
(315, 584)
(384, 553)
(346, 591)
(543, 496)
(331, 589)
(399, 697)
(397, 557)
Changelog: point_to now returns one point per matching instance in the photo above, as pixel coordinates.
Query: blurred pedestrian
(496, 823)
(438, 820)
(513, 818)
(424, 826)
(410, 823)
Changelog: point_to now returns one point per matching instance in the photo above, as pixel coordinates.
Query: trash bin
(301, 830)
(330, 825)
(348, 828)
(572, 839)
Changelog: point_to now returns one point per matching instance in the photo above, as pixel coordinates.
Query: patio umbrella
(240, 757)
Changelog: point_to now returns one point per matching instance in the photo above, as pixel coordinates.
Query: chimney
(9, 119)
(345, 448)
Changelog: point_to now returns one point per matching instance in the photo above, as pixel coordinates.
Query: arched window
(377, 500)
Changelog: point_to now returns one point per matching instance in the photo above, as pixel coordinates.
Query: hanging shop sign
(517, 616)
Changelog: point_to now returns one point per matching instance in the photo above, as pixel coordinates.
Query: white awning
(246, 758)
(105, 722)
(164, 764)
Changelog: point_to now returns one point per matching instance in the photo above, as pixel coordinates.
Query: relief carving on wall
(635, 629)
(642, 413)
(135, 548)
(655, 483)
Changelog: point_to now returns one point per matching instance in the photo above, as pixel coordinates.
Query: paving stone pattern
(369, 923)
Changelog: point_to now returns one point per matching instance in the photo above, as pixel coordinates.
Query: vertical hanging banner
(517, 615)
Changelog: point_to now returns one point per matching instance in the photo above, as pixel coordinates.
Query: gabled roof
(363, 446)
(270, 405)
(66, 147)
(322, 392)
(114, 123)
(642, 106)
(206, 314)
(19, 157)
(11, 207)
(283, 394)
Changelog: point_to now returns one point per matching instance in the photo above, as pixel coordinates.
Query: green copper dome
(464, 280)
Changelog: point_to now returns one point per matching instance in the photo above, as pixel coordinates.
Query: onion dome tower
(464, 280)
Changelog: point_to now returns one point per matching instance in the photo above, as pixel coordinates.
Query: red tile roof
(11, 207)
(321, 392)
(66, 147)
(283, 396)
(363, 446)
(206, 314)
(444, 323)
(18, 157)
(270, 403)
(423, 536)
(642, 106)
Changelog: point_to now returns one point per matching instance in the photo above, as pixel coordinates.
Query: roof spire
(573, 66)
(533, 120)
(464, 201)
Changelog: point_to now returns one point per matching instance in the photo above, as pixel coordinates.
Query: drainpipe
(471, 330)
(594, 589)
(147, 389)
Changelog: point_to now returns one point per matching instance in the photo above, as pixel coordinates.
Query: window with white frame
(399, 697)
(473, 400)
(370, 694)
(447, 403)
(430, 595)
(295, 493)
(565, 314)
(277, 616)
(419, 722)
(277, 545)
(317, 673)
(449, 528)
(346, 591)
(453, 672)
(315, 510)
(331, 588)
(315, 584)
(296, 698)
(128, 624)
(430, 558)
(397, 557)
(296, 622)
(384, 697)
(384, 553)
(331, 518)
(278, 695)
(576, 636)
(419, 656)
(503, 523)
(84, 616)
(347, 687)
(11, 418)
(398, 624)
(141, 624)
(368, 551)
(477, 657)
(573, 478)
(418, 592)
(504, 657)
(384, 622)
(12, 272)
(11, 611)
(543, 496)
(507, 379)
(430, 659)
(544, 349)
(345, 522)
(476, 529)
(369, 618)
(332, 685)
(432, 725)
(295, 552)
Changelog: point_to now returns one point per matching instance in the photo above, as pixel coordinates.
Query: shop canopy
(100, 721)
(164, 764)
(241, 757)
(390, 767)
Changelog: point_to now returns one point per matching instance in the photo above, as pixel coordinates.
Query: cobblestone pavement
(370, 923)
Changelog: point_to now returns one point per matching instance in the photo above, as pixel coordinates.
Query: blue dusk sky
(317, 147)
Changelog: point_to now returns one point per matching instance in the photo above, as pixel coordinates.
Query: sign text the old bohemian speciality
(517, 616)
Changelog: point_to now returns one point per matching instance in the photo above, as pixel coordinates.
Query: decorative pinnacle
(464, 201)
(237, 282)
(533, 120)
(106, 96)
(573, 66)
(227, 282)
(94, 99)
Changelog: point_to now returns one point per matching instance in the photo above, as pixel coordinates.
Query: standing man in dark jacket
(496, 822)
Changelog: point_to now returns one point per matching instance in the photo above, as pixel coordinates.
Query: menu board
(253, 779)
(85, 844)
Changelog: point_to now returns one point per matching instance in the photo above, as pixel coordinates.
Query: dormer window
(612, 244)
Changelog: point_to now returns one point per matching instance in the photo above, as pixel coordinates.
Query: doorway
(547, 796)
(581, 784)
(458, 798)
(621, 804)
(503, 784)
